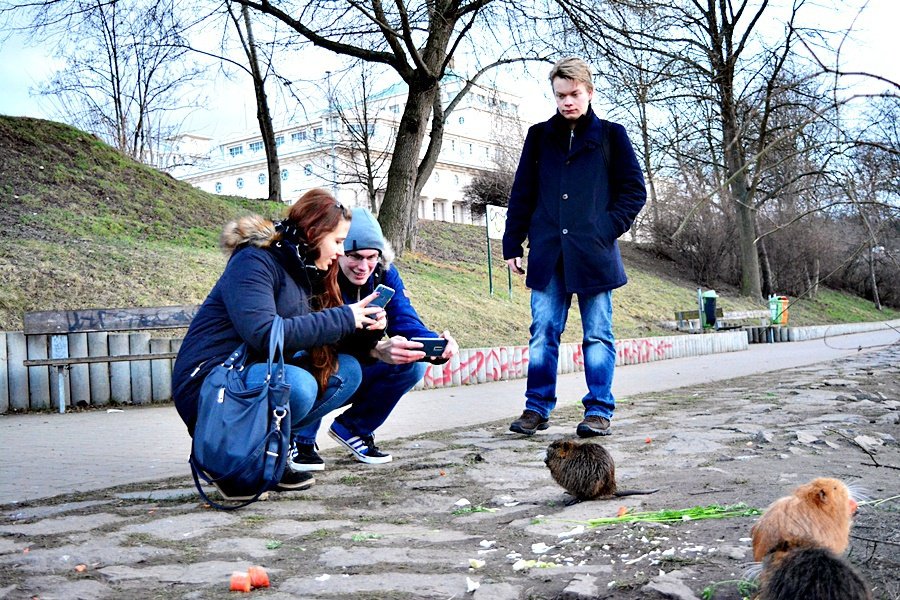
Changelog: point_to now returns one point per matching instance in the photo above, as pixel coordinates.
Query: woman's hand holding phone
(366, 315)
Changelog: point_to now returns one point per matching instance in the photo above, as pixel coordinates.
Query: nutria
(816, 514)
(812, 574)
(585, 469)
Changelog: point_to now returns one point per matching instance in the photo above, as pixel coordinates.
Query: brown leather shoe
(528, 423)
(593, 425)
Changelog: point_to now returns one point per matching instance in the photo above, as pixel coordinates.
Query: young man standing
(578, 188)
(389, 369)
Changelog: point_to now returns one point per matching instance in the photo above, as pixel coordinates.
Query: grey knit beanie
(365, 232)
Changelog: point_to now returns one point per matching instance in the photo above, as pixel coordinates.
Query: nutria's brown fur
(585, 469)
(816, 514)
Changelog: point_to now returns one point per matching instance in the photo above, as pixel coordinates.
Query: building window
(236, 151)
(298, 136)
(436, 176)
(240, 183)
(456, 179)
(218, 187)
(284, 174)
(256, 146)
(279, 140)
(457, 213)
(317, 133)
(437, 211)
(307, 170)
(261, 178)
(462, 120)
(358, 129)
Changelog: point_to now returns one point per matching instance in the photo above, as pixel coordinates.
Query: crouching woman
(286, 268)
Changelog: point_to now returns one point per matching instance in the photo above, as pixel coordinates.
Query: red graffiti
(496, 364)
(492, 361)
(642, 350)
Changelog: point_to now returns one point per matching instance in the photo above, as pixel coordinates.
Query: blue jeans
(307, 405)
(381, 389)
(549, 310)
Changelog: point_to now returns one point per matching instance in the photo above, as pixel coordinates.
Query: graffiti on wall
(511, 362)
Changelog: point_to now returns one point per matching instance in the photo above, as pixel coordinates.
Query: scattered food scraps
(240, 582)
(258, 577)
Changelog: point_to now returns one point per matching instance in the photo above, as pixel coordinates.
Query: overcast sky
(230, 108)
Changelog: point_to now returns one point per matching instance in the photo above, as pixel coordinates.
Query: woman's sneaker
(293, 481)
(303, 457)
(362, 446)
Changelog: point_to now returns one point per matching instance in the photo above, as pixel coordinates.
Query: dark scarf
(293, 253)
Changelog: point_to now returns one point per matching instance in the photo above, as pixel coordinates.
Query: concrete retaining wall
(25, 389)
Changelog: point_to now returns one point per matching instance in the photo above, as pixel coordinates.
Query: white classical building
(327, 151)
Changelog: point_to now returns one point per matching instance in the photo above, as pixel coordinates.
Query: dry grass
(83, 226)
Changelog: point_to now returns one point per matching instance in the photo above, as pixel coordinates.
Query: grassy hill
(84, 226)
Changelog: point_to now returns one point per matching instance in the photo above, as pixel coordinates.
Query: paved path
(50, 454)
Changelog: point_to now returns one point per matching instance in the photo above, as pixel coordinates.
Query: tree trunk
(398, 214)
(815, 289)
(875, 296)
(739, 188)
(263, 115)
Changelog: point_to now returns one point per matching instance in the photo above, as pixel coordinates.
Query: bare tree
(417, 39)
(363, 132)
(244, 28)
(125, 70)
(721, 59)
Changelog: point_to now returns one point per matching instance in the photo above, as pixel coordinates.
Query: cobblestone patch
(475, 514)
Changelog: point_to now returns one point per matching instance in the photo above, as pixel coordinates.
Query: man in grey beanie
(392, 367)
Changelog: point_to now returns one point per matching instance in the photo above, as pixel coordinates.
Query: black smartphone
(432, 347)
(384, 295)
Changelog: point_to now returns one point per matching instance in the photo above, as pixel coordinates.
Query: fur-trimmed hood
(252, 229)
(387, 255)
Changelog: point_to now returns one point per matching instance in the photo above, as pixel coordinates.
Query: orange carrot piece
(258, 577)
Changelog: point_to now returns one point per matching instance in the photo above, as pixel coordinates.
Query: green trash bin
(778, 310)
(708, 318)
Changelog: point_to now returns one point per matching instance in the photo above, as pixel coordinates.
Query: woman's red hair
(316, 214)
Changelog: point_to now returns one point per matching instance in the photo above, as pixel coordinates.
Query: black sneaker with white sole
(362, 446)
(303, 457)
(295, 481)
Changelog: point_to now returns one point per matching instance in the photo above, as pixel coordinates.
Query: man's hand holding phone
(515, 264)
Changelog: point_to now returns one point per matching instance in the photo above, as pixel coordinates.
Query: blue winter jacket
(258, 283)
(572, 202)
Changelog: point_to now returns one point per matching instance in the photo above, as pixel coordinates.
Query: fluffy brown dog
(585, 469)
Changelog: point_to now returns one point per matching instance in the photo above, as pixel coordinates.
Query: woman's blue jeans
(307, 405)
(549, 310)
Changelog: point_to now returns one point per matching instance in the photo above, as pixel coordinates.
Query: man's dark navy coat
(572, 202)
